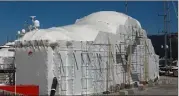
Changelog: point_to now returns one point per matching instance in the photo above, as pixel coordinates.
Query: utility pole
(165, 31)
(170, 42)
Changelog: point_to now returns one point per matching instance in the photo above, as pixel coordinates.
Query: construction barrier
(21, 90)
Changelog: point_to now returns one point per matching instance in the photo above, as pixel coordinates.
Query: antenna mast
(126, 5)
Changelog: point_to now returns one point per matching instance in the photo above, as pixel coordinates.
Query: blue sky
(13, 14)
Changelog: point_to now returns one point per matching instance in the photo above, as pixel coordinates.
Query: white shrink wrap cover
(78, 55)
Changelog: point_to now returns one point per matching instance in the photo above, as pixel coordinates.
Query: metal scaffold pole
(130, 51)
(145, 62)
(107, 74)
(129, 63)
(109, 66)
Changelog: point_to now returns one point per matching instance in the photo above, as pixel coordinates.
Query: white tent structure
(98, 52)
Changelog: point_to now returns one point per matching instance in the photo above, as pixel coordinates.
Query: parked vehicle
(174, 68)
(170, 69)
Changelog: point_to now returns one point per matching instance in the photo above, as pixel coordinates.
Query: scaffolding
(86, 67)
(146, 62)
(7, 71)
(97, 63)
(103, 64)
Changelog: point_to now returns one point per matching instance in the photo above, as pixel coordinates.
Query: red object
(30, 52)
(30, 90)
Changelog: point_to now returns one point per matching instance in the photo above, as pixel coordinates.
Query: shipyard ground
(171, 88)
(166, 86)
